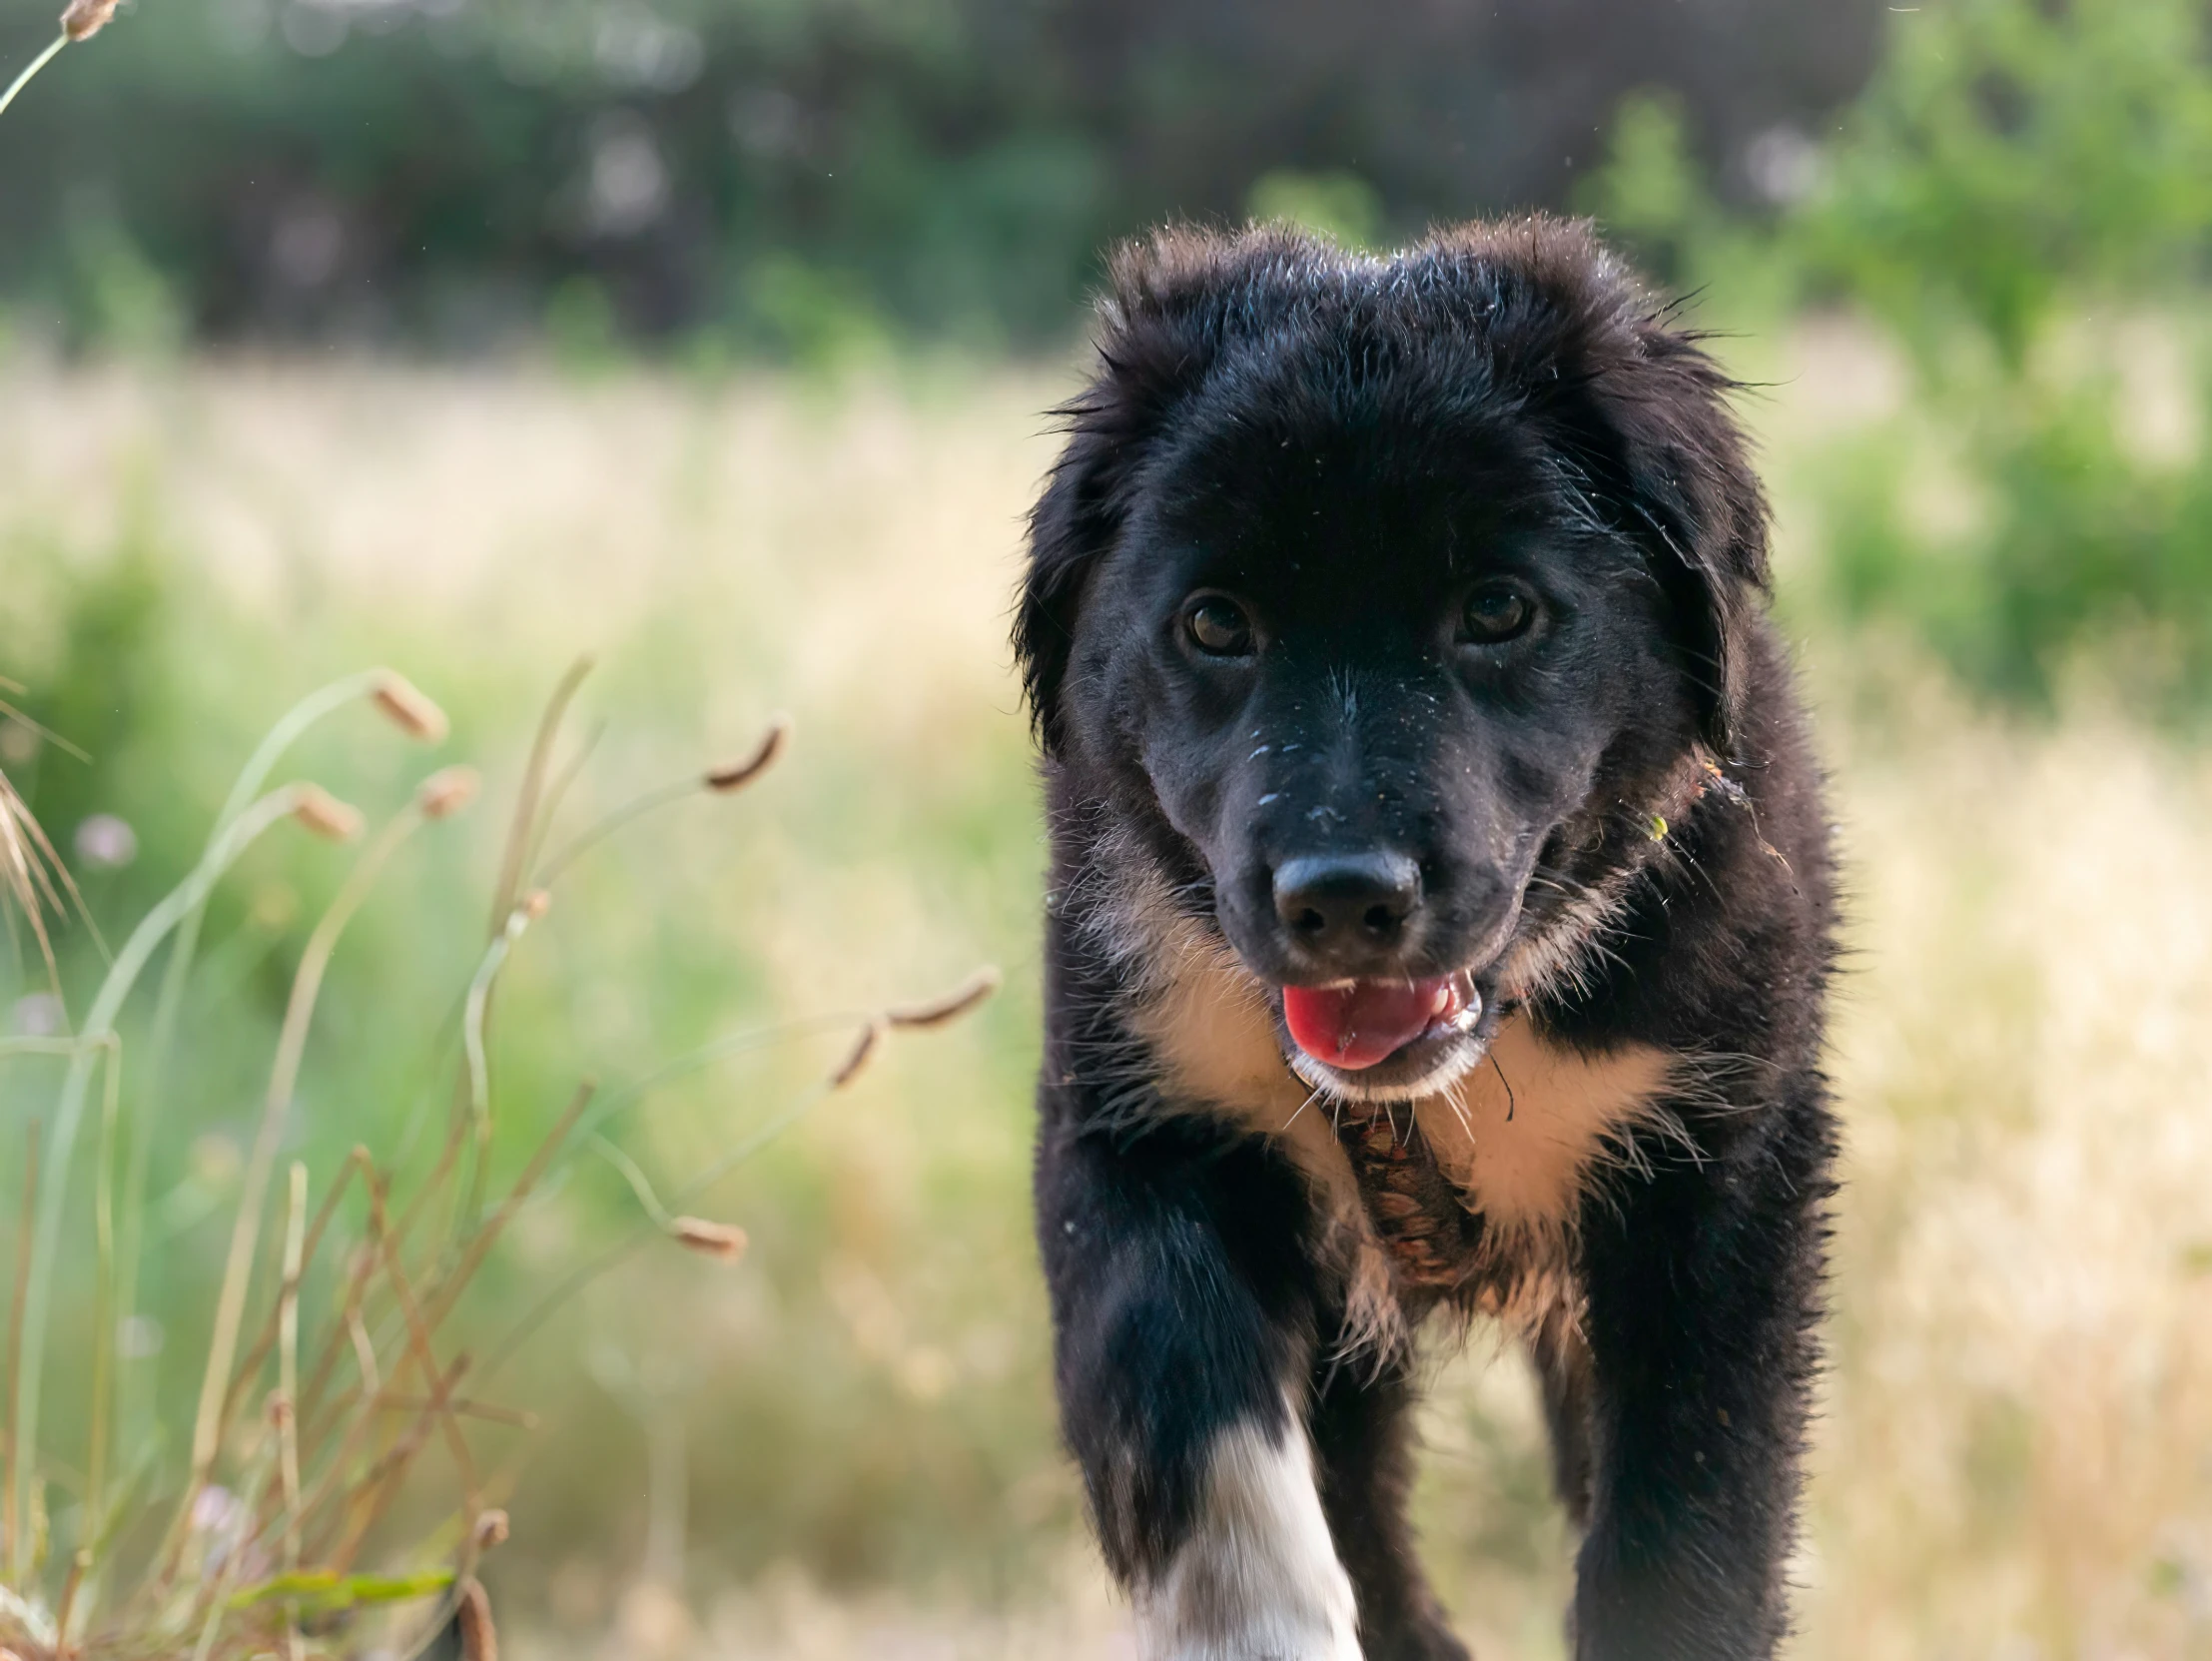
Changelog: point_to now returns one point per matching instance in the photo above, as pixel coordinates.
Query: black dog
(1440, 920)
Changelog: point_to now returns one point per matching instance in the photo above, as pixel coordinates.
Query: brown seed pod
(492, 1530)
(409, 708)
(857, 1058)
(535, 904)
(446, 791)
(82, 19)
(709, 1239)
(739, 774)
(326, 816)
(936, 1012)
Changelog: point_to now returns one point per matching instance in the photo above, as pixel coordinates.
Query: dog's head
(1385, 596)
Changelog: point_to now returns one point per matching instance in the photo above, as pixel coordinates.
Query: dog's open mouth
(1355, 1025)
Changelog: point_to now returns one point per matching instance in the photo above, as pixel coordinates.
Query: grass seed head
(410, 710)
(951, 1005)
(858, 1056)
(82, 19)
(712, 1239)
(326, 816)
(741, 773)
(446, 791)
(536, 903)
(492, 1530)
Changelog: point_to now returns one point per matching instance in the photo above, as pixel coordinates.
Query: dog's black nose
(1347, 905)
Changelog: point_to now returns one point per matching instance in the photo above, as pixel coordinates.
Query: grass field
(843, 1446)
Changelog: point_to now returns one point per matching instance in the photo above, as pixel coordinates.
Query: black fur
(1350, 447)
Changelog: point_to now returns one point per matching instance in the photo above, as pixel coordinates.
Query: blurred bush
(795, 176)
(2022, 202)
(2022, 191)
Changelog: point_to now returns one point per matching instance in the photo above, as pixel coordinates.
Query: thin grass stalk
(524, 830)
(480, 1243)
(972, 992)
(574, 1282)
(73, 1583)
(738, 1043)
(216, 1588)
(291, 1039)
(15, 1496)
(102, 1297)
(636, 808)
(53, 51)
(69, 1111)
(288, 1383)
(523, 827)
(556, 793)
(250, 1368)
(331, 1478)
(473, 1016)
(419, 1345)
(176, 972)
(381, 1480)
(720, 780)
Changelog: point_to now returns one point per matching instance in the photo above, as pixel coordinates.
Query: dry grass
(2013, 1456)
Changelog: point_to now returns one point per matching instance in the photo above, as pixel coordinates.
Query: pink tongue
(1358, 1025)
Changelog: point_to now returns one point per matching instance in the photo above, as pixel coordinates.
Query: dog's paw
(1259, 1579)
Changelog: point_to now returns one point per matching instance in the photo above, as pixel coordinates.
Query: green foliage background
(2014, 216)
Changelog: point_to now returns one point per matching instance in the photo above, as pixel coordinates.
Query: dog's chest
(1514, 1143)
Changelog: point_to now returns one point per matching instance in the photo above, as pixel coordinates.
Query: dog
(1438, 926)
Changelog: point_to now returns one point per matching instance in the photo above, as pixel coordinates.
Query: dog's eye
(1219, 627)
(1496, 611)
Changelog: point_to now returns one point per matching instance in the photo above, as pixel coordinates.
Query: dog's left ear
(1161, 326)
(1681, 479)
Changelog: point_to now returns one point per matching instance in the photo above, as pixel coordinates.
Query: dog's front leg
(1704, 1285)
(1183, 1302)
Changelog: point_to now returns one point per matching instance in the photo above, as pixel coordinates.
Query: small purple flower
(105, 842)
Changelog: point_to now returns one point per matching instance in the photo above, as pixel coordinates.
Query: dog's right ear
(1160, 332)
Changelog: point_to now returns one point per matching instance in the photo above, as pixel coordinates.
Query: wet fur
(1641, 1165)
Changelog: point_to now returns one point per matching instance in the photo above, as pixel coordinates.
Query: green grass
(844, 1444)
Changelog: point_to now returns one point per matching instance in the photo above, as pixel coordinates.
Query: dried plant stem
(385, 1474)
(288, 1360)
(480, 1243)
(292, 1041)
(418, 1341)
(69, 1111)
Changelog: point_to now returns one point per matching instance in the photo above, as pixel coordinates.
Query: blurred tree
(2020, 182)
(436, 169)
(2012, 157)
